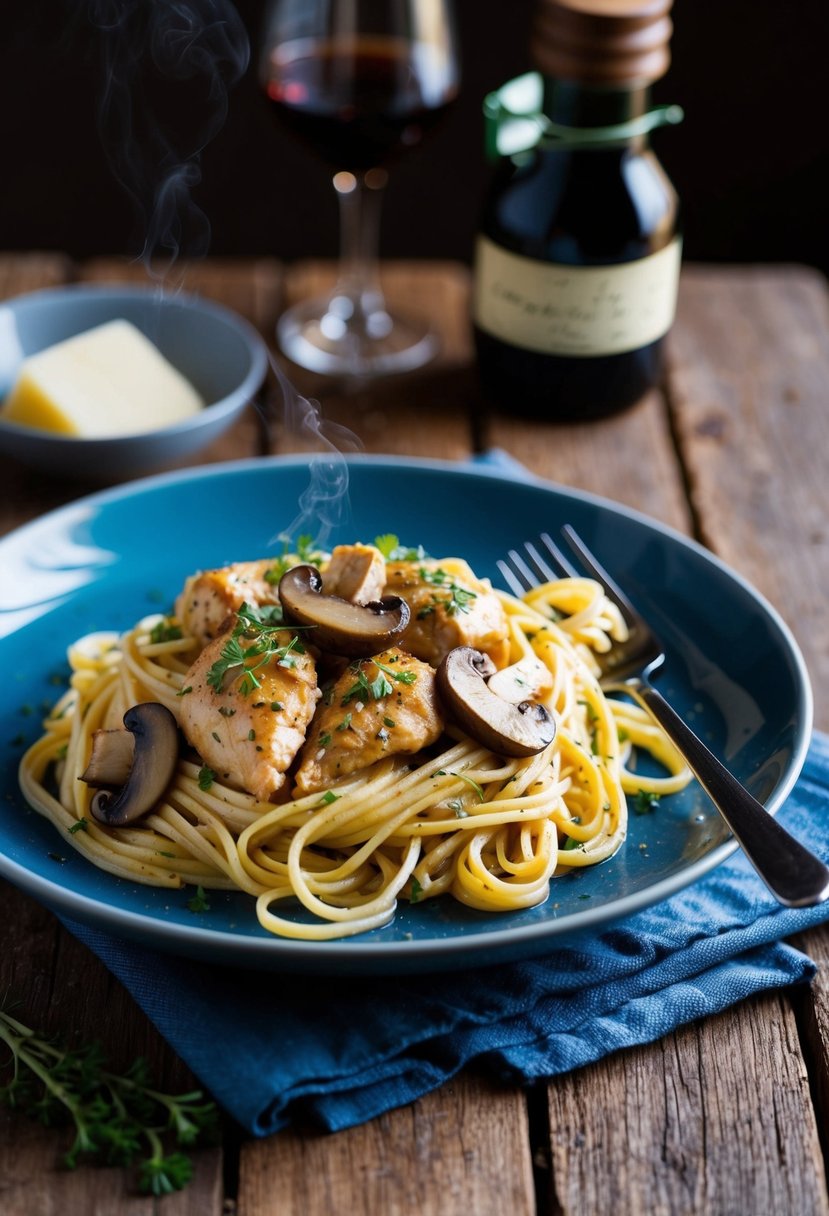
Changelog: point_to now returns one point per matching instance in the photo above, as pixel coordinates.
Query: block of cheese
(108, 381)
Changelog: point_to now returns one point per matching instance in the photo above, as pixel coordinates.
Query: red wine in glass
(360, 82)
(360, 101)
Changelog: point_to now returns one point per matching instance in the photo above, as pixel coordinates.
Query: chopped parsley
(261, 629)
(392, 550)
(364, 689)
(199, 902)
(81, 826)
(304, 553)
(644, 803)
(206, 777)
(460, 598)
(328, 797)
(165, 630)
(571, 842)
(417, 891)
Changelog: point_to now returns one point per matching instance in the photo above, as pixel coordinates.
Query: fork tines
(526, 570)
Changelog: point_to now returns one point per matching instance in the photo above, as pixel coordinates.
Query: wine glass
(361, 81)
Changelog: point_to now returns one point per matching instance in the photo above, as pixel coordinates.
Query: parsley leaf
(165, 630)
(364, 689)
(303, 553)
(644, 803)
(460, 598)
(260, 628)
(206, 777)
(392, 550)
(199, 902)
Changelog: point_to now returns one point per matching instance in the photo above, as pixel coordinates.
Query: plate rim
(355, 953)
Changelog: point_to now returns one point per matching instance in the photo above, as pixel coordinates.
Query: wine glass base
(315, 335)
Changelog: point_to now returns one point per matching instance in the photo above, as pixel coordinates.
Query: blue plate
(733, 671)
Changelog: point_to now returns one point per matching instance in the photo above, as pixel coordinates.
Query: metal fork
(794, 875)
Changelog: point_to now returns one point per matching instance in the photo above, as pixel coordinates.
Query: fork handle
(794, 875)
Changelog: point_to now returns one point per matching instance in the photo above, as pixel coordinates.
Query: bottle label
(575, 310)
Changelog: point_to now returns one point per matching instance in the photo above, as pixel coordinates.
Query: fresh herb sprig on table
(118, 1118)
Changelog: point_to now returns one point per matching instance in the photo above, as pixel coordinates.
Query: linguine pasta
(456, 821)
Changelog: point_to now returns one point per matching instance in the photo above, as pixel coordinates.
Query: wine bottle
(578, 254)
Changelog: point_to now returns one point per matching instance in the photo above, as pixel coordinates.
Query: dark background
(750, 161)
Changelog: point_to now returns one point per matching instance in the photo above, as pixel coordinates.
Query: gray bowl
(221, 354)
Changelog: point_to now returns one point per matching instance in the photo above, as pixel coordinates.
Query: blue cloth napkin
(274, 1050)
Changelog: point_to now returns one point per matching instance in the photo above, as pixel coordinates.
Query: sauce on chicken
(248, 735)
(378, 707)
(450, 607)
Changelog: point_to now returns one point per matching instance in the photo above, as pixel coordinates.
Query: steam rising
(167, 69)
(324, 504)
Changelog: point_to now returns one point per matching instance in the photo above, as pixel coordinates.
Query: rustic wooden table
(729, 1115)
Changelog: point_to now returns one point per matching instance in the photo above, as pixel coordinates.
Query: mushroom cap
(357, 631)
(505, 728)
(154, 761)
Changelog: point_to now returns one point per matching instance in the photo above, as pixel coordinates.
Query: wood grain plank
(461, 1150)
(437, 292)
(425, 413)
(23, 272)
(749, 369)
(749, 366)
(812, 1006)
(629, 1150)
(57, 986)
(629, 458)
(252, 287)
(703, 1089)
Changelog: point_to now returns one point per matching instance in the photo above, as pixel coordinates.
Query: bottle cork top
(602, 42)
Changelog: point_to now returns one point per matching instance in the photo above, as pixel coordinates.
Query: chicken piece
(211, 596)
(356, 573)
(450, 607)
(378, 707)
(249, 738)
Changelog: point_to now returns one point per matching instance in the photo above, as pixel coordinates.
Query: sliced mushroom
(155, 751)
(527, 679)
(111, 760)
(355, 630)
(508, 729)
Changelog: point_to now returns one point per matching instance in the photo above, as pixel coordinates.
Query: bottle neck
(582, 106)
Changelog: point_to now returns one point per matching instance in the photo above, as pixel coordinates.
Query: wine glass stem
(361, 200)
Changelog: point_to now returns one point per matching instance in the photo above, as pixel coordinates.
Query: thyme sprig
(259, 629)
(118, 1119)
